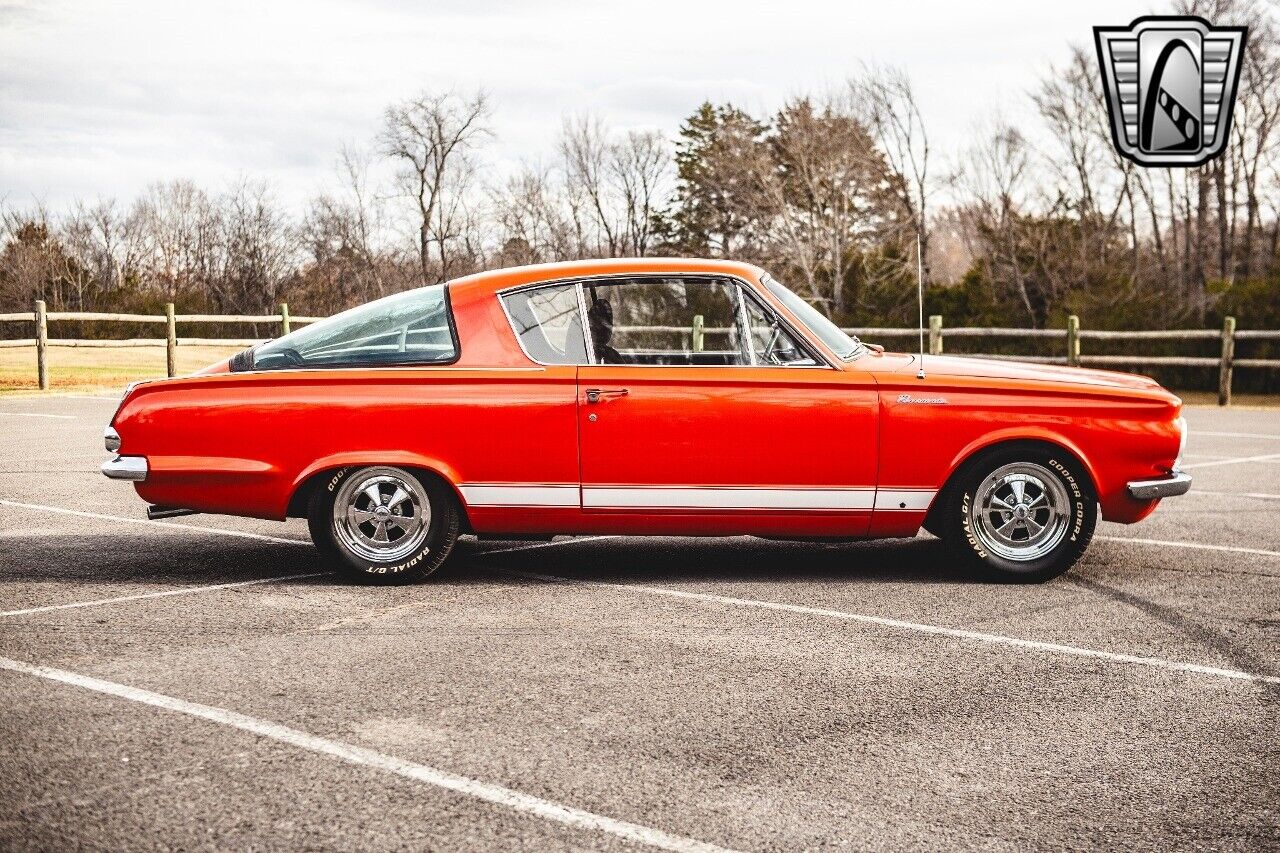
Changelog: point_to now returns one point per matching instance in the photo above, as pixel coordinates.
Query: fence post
(698, 325)
(935, 334)
(171, 341)
(1228, 357)
(42, 346)
(1073, 341)
(284, 318)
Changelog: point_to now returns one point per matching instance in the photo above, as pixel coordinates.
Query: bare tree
(429, 136)
(257, 250)
(532, 222)
(826, 188)
(886, 103)
(179, 233)
(994, 175)
(638, 165)
(584, 148)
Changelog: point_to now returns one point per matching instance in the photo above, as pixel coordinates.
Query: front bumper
(126, 468)
(1177, 483)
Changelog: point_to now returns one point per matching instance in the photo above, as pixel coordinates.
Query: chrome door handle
(594, 395)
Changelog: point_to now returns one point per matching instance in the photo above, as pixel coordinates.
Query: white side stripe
(498, 795)
(695, 497)
(511, 495)
(904, 499)
(597, 497)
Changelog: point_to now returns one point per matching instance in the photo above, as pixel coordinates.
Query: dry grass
(98, 368)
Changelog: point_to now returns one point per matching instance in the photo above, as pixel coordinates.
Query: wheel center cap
(1019, 512)
(382, 513)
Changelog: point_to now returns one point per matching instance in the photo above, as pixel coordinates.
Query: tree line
(833, 193)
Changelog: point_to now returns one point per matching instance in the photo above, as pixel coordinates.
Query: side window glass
(771, 343)
(548, 322)
(665, 321)
(407, 328)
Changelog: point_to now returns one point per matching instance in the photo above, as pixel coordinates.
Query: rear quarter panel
(242, 443)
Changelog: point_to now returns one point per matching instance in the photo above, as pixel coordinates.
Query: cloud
(102, 98)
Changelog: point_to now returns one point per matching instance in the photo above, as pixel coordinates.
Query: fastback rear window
(414, 327)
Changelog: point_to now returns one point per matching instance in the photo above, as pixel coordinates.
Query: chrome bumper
(126, 468)
(1177, 483)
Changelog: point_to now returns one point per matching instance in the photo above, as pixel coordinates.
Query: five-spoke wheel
(384, 524)
(1019, 512)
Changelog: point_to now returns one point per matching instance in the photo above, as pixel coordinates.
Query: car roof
(482, 284)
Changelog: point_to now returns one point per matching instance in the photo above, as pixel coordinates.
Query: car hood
(999, 369)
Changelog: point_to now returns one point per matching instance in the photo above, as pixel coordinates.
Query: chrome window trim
(820, 354)
(380, 368)
(744, 325)
(511, 321)
(809, 335)
(586, 323)
(450, 321)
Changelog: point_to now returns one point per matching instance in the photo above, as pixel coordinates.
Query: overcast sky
(99, 98)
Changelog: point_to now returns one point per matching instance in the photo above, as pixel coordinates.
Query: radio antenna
(920, 298)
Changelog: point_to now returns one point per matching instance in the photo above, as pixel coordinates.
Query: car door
(703, 412)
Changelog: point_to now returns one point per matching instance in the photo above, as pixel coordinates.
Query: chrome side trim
(126, 468)
(520, 495)
(911, 500)
(823, 355)
(605, 497)
(1177, 483)
(564, 495)
(111, 440)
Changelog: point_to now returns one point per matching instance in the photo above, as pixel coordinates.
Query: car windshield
(846, 346)
(406, 328)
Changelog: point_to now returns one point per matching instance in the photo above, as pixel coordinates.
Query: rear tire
(383, 525)
(1020, 513)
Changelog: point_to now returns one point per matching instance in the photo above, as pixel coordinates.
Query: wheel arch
(999, 441)
(316, 474)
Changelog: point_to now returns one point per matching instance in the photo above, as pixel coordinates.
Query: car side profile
(643, 397)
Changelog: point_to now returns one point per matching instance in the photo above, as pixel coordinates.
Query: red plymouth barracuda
(642, 397)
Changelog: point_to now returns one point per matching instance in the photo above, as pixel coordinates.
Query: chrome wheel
(381, 514)
(1020, 512)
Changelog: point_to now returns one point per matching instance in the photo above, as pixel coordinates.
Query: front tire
(382, 524)
(1020, 514)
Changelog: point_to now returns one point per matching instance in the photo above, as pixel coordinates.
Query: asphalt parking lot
(196, 684)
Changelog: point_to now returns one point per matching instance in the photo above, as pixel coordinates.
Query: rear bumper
(126, 468)
(1177, 483)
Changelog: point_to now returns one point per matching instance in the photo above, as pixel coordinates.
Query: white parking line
(487, 791)
(184, 591)
(937, 630)
(146, 521)
(1264, 458)
(1200, 546)
(38, 415)
(1236, 434)
(1259, 495)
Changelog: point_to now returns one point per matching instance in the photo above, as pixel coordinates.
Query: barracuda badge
(1170, 85)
